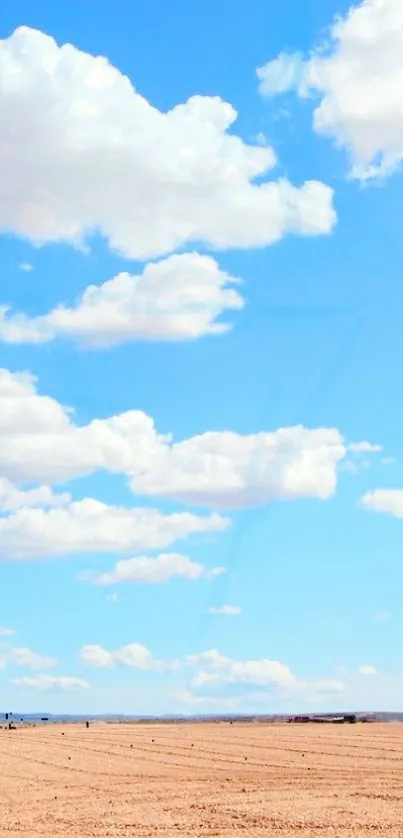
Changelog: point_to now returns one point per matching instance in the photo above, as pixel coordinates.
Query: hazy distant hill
(38, 718)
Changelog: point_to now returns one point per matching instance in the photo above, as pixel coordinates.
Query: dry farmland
(202, 780)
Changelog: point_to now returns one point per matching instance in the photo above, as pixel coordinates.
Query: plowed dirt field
(202, 780)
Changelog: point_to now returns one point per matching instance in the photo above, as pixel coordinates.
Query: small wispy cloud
(6, 632)
(349, 467)
(365, 447)
(28, 659)
(26, 266)
(357, 459)
(260, 139)
(366, 669)
(156, 570)
(51, 682)
(382, 616)
(225, 610)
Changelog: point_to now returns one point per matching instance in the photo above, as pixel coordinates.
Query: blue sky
(197, 517)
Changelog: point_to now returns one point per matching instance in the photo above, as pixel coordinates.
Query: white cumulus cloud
(133, 656)
(39, 442)
(81, 150)
(91, 526)
(23, 658)
(12, 498)
(229, 470)
(179, 298)
(157, 570)
(219, 674)
(217, 671)
(261, 671)
(358, 77)
(388, 501)
(27, 659)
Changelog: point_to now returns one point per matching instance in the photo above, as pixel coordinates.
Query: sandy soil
(202, 780)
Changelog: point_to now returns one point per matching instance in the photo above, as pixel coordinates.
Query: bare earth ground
(202, 780)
